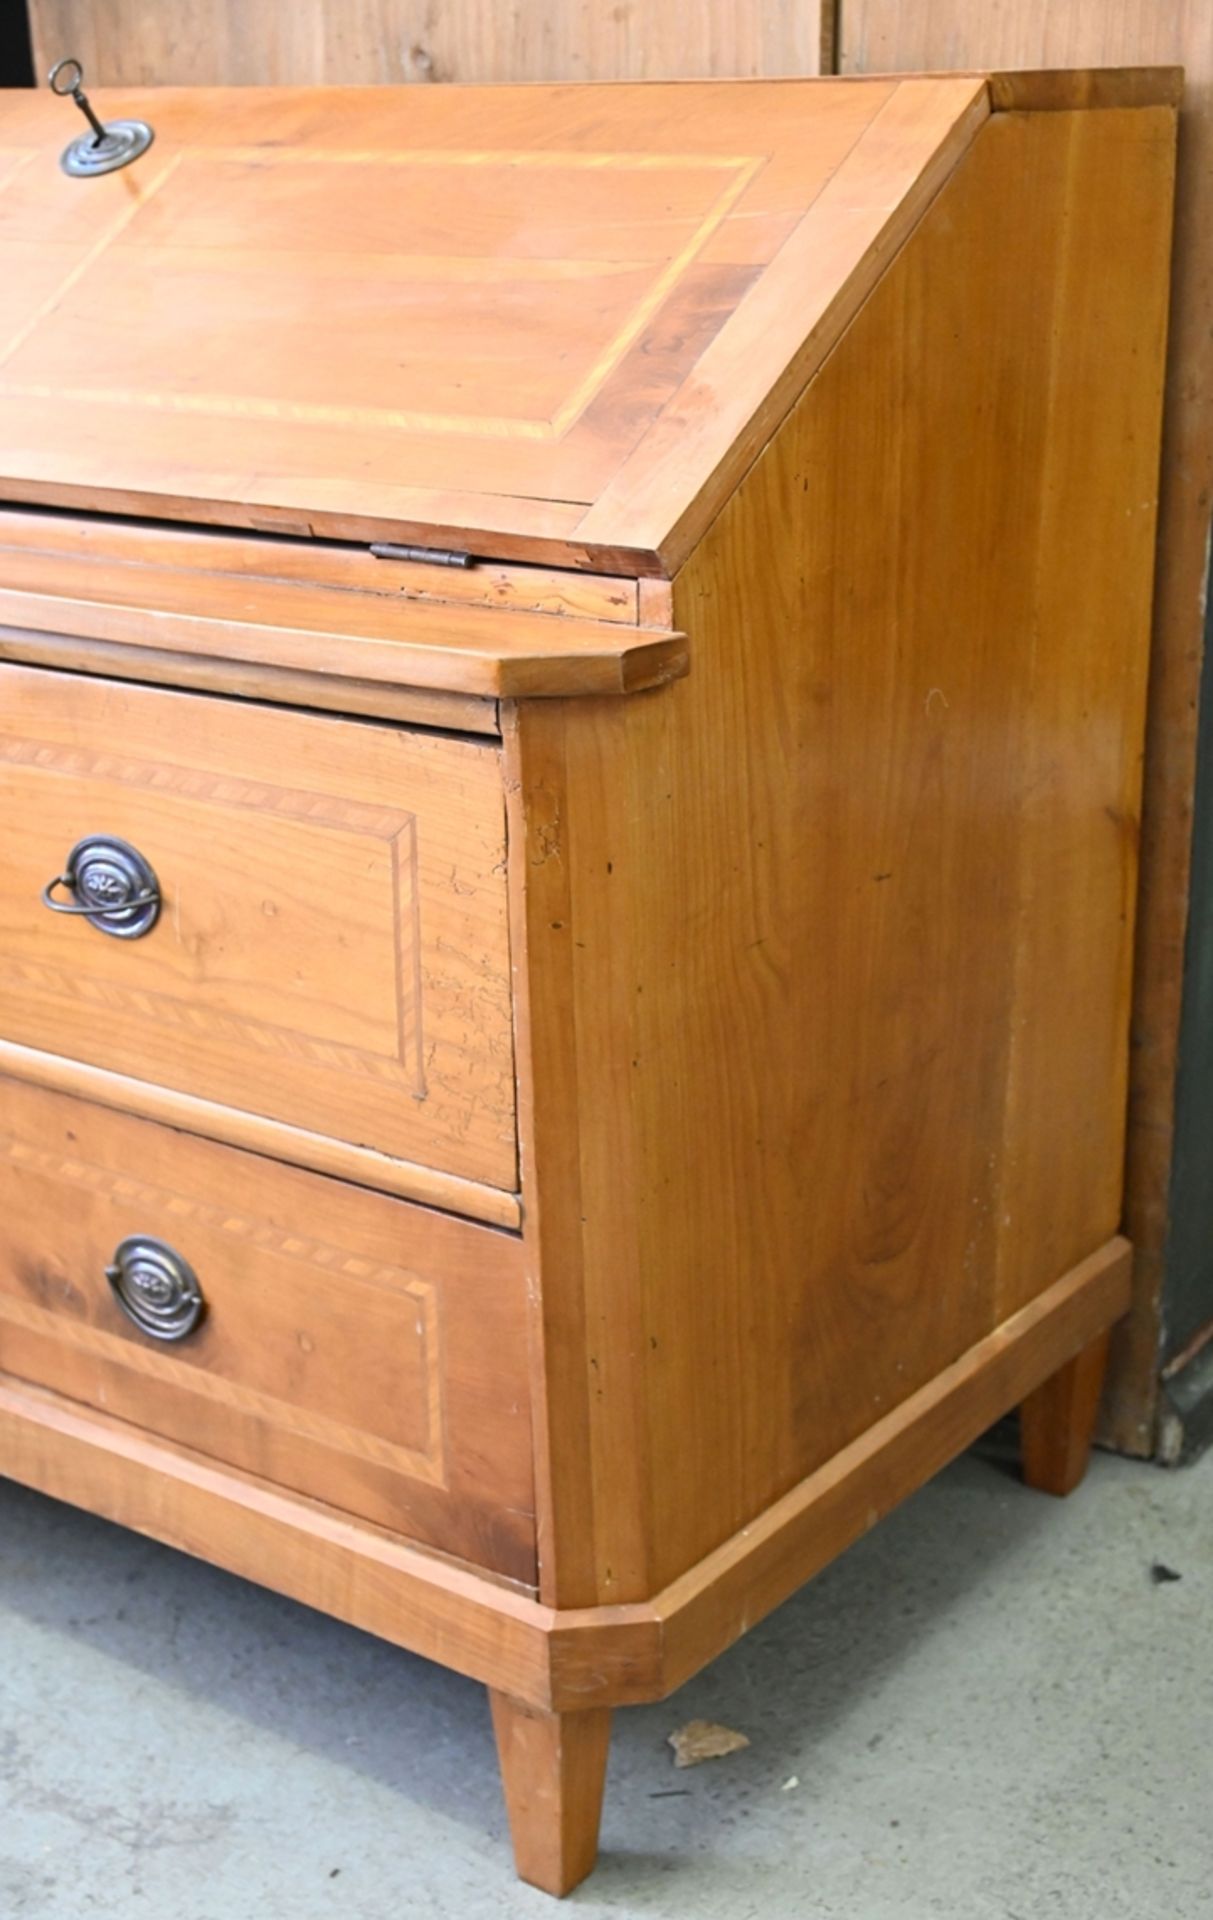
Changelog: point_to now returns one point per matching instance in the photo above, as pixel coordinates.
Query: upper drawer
(331, 949)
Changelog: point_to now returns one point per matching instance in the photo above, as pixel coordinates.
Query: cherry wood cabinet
(572, 668)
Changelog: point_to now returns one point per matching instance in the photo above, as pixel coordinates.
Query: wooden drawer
(369, 1353)
(331, 952)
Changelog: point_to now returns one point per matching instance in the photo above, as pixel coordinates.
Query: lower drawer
(350, 1346)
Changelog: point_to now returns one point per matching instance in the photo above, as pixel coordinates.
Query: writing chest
(572, 666)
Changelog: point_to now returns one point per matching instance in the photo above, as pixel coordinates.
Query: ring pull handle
(103, 148)
(114, 888)
(66, 78)
(91, 913)
(156, 1287)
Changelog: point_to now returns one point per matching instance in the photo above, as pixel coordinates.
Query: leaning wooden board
(601, 1050)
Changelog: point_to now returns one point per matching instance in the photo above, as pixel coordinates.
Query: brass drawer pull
(156, 1287)
(116, 889)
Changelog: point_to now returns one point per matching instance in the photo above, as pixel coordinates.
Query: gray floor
(988, 1710)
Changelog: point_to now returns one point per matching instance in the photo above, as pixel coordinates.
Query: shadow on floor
(338, 1694)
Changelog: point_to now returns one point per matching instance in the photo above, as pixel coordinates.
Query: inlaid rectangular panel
(352, 1347)
(331, 951)
(459, 308)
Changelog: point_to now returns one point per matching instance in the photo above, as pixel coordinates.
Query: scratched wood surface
(882, 35)
(327, 609)
(370, 1354)
(69, 538)
(332, 949)
(228, 42)
(829, 943)
(551, 324)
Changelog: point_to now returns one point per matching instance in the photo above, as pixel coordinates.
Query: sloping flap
(539, 321)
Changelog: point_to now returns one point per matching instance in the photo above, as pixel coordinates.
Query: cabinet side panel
(830, 943)
(881, 36)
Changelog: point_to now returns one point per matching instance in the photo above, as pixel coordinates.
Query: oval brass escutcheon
(113, 887)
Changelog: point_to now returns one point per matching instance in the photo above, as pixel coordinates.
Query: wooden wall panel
(217, 42)
(908, 35)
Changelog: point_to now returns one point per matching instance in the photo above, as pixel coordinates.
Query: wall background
(162, 42)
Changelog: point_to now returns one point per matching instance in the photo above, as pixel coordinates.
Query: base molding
(500, 1634)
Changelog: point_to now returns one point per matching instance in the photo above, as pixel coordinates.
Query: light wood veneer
(333, 953)
(716, 904)
(367, 1353)
(544, 369)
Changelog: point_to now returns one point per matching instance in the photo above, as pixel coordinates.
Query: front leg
(1057, 1422)
(553, 1770)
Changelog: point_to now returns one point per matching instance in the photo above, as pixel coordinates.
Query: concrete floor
(987, 1710)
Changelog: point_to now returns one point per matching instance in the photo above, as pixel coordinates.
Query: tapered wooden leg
(553, 1769)
(1057, 1422)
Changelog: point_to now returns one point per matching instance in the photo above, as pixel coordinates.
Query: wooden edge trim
(203, 673)
(650, 660)
(720, 1598)
(655, 603)
(1126, 77)
(435, 1607)
(653, 505)
(252, 1132)
(507, 527)
(280, 560)
(1060, 90)
(709, 1607)
(497, 1633)
(553, 658)
(1065, 89)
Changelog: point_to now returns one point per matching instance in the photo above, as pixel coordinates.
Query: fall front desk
(570, 734)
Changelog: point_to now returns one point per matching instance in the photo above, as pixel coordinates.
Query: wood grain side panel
(332, 951)
(722, 1597)
(1092, 559)
(367, 1353)
(883, 35)
(604, 1656)
(830, 942)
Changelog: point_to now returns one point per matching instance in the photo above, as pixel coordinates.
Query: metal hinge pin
(434, 556)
